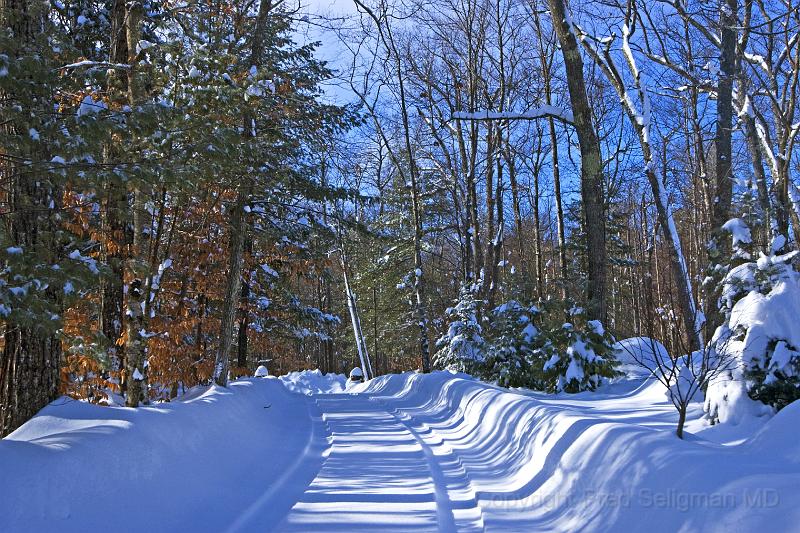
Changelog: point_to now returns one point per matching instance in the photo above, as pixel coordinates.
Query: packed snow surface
(410, 452)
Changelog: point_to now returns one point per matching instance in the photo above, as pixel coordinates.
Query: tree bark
(719, 249)
(232, 289)
(136, 323)
(244, 323)
(114, 246)
(515, 207)
(681, 420)
(592, 190)
(355, 317)
(29, 375)
(238, 225)
(546, 63)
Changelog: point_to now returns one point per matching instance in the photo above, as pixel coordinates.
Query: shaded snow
(638, 355)
(193, 465)
(408, 452)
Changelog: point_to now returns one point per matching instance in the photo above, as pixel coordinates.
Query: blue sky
(330, 49)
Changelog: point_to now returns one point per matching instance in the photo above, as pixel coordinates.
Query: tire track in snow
(456, 499)
(374, 478)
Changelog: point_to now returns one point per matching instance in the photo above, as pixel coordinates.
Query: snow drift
(403, 452)
(192, 465)
(313, 382)
(637, 356)
(535, 464)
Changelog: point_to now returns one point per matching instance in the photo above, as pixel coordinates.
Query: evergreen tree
(462, 348)
(515, 347)
(45, 265)
(756, 347)
(581, 353)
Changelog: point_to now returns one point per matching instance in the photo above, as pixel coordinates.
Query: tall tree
(31, 355)
(719, 249)
(592, 189)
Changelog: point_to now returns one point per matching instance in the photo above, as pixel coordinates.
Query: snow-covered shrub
(514, 347)
(761, 338)
(462, 348)
(581, 353)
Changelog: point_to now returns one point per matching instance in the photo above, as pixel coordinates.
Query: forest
(502, 188)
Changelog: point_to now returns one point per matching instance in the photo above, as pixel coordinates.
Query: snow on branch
(545, 111)
(794, 197)
(97, 64)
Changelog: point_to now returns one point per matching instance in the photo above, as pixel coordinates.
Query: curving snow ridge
(192, 465)
(499, 461)
(404, 453)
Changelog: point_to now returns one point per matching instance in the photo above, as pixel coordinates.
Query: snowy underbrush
(313, 382)
(196, 464)
(565, 464)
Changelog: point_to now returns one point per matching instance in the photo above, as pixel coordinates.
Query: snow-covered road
(384, 471)
(404, 453)
(414, 453)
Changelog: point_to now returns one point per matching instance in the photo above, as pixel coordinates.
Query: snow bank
(545, 465)
(193, 465)
(638, 353)
(313, 382)
(248, 457)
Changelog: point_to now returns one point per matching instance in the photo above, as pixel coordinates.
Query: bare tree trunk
(681, 420)
(592, 190)
(29, 375)
(355, 317)
(244, 323)
(515, 205)
(136, 344)
(760, 179)
(546, 63)
(719, 250)
(497, 241)
(114, 246)
(537, 233)
(232, 289)
(111, 286)
(375, 329)
(764, 233)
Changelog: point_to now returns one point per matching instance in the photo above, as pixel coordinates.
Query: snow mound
(313, 382)
(193, 465)
(539, 462)
(768, 322)
(638, 353)
(781, 430)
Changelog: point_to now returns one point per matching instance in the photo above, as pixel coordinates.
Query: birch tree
(640, 116)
